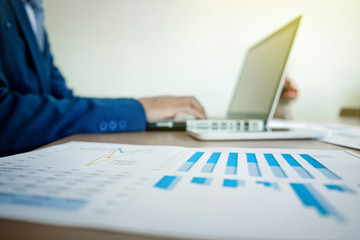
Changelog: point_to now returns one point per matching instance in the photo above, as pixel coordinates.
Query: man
(36, 107)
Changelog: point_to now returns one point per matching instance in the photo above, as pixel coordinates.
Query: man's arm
(30, 120)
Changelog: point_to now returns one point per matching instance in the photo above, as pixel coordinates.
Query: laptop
(256, 95)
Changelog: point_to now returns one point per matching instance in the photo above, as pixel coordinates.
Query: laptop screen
(260, 83)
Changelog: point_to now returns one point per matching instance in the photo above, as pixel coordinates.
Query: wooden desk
(182, 139)
(22, 230)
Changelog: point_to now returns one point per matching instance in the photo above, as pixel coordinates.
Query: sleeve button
(122, 124)
(112, 125)
(103, 126)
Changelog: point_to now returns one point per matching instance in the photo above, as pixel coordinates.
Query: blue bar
(296, 166)
(186, 166)
(273, 185)
(189, 163)
(214, 157)
(42, 201)
(233, 183)
(232, 163)
(211, 163)
(230, 170)
(253, 165)
(230, 183)
(232, 160)
(326, 172)
(302, 172)
(274, 165)
(310, 197)
(208, 168)
(201, 180)
(307, 198)
(167, 182)
(340, 188)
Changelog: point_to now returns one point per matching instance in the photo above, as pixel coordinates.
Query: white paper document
(338, 134)
(216, 193)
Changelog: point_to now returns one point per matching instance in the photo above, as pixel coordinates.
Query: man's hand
(159, 108)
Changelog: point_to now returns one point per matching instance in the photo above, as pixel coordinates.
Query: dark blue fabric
(36, 107)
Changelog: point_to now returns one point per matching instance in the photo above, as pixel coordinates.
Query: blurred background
(138, 48)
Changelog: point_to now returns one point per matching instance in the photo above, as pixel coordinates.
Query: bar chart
(265, 171)
(234, 163)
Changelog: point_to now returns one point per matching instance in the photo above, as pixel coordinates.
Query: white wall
(140, 48)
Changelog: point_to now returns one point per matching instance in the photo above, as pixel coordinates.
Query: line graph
(115, 155)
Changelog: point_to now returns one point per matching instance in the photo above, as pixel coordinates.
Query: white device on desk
(256, 95)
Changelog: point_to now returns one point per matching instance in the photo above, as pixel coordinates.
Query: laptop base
(262, 135)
